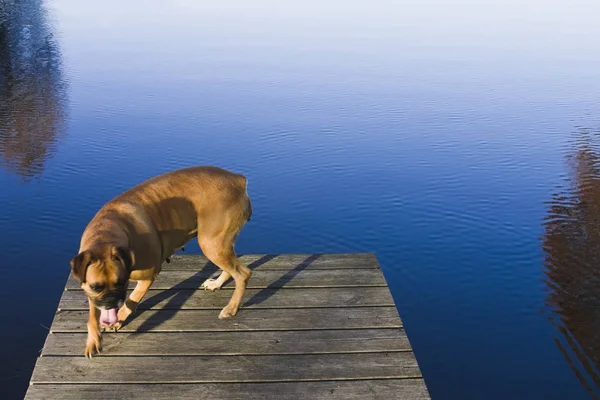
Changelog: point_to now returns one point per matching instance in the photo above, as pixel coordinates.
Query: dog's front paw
(93, 345)
(116, 326)
(122, 315)
(227, 312)
(211, 284)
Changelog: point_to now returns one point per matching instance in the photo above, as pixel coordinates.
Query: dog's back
(183, 204)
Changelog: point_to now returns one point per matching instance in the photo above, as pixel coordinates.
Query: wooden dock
(310, 327)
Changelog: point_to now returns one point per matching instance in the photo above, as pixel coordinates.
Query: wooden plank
(280, 261)
(393, 389)
(261, 279)
(233, 343)
(245, 320)
(226, 369)
(253, 298)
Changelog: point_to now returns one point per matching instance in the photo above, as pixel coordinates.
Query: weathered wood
(226, 369)
(246, 320)
(233, 343)
(284, 262)
(253, 298)
(310, 327)
(393, 389)
(261, 279)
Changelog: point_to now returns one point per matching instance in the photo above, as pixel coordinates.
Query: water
(460, 143)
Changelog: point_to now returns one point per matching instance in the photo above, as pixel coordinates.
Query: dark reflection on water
(32, 90)
(572, 246)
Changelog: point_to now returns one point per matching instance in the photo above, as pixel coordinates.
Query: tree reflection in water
(32, 89)
(572, 247)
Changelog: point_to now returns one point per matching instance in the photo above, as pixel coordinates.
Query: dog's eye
(96, 287)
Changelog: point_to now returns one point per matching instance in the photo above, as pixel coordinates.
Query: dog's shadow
(270, 290)
(180, 293)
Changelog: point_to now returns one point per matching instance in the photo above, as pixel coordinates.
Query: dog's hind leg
(220, 252)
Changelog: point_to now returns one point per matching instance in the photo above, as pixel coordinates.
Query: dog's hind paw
(211, 284)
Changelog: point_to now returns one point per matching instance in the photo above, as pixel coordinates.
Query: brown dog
(131, 236)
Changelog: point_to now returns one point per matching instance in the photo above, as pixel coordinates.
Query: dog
(131, 235)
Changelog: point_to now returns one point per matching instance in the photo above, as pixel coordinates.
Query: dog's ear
(123, 255)
(79, 265)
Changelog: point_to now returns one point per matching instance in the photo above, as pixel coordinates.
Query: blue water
(460, 143)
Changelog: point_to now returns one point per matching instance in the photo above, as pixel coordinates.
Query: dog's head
(104, 274)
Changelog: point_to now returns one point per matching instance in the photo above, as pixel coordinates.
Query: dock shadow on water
(179, 294)
(571, 243)
(33, 92)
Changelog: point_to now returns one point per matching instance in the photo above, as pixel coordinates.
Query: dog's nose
(111, 300)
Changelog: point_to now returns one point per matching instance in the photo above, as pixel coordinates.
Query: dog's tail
(248, 210)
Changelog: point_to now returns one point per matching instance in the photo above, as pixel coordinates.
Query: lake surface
(459, 143)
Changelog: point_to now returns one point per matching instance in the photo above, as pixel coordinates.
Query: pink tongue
(108, 317)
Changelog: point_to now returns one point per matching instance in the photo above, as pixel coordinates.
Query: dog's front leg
(132, 302)
(94, 338)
